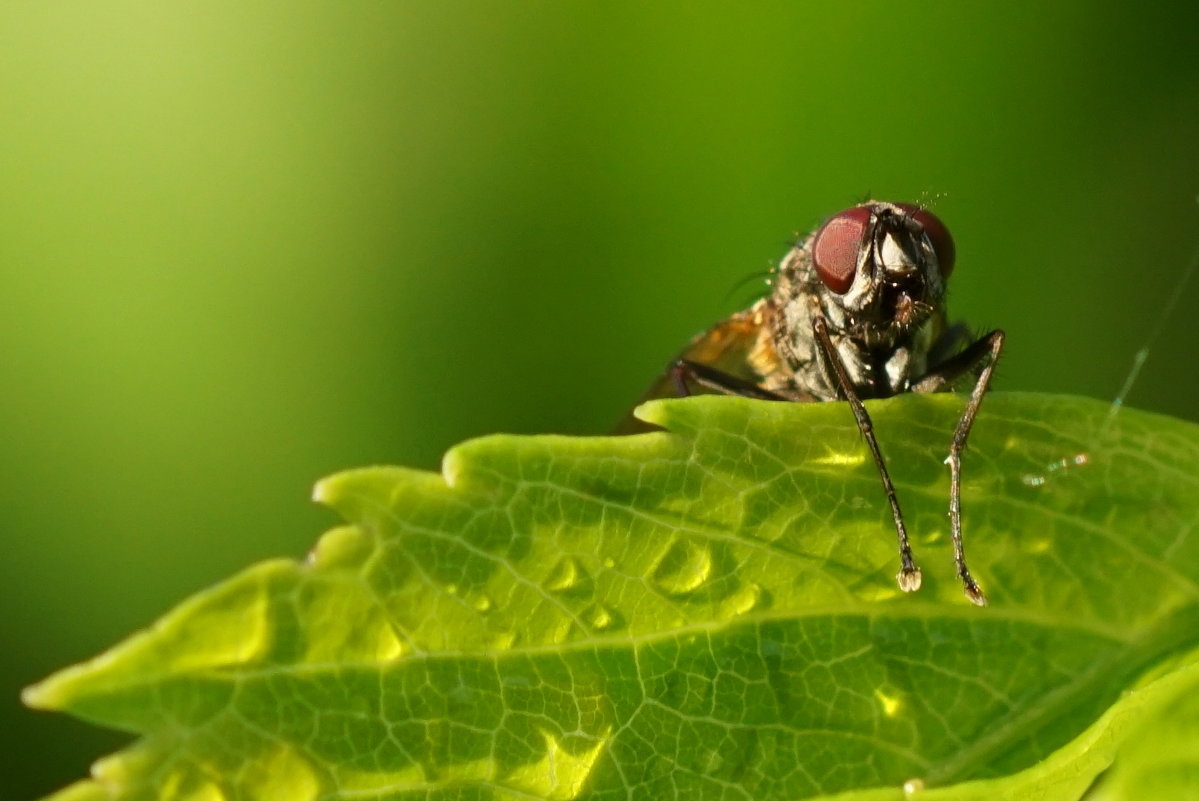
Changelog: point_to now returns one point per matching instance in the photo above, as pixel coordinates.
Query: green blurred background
(244, 245)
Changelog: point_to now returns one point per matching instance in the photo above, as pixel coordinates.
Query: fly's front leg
(982, 354)
(909, 574)
(707, 377)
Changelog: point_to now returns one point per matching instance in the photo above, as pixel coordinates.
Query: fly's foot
(973, 592)
(909, 578)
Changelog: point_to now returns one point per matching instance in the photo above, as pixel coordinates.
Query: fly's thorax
(790, 341)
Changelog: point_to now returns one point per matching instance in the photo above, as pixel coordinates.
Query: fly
(856, 311)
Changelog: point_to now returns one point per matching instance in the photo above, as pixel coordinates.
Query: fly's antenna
(929, 200)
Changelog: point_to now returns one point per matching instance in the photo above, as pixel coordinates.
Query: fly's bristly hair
(764, 276)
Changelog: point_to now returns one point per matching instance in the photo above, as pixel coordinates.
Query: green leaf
(709, 612)
(1159, 758)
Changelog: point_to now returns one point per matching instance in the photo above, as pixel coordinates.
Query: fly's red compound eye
(937, 233)
(837, 246)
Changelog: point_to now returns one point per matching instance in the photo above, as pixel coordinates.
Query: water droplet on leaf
(684, 568)
(744, 599)
(889, 700)
(601, 617)
(567, 576)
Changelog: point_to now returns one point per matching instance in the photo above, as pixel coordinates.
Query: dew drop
(206, 791)
(889, 701)
(879, 592)
(841, 458)
(502, 641)
(481, 602)
(745, 599)
(609, 562)
(560, 632)
(601, 617)
(283, 773)
(388, 645)
(451, 589)
(684, 568)
(568, 575)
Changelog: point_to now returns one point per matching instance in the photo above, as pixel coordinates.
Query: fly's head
(878, 270)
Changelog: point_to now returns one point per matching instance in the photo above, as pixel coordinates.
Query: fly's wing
(727, 346)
